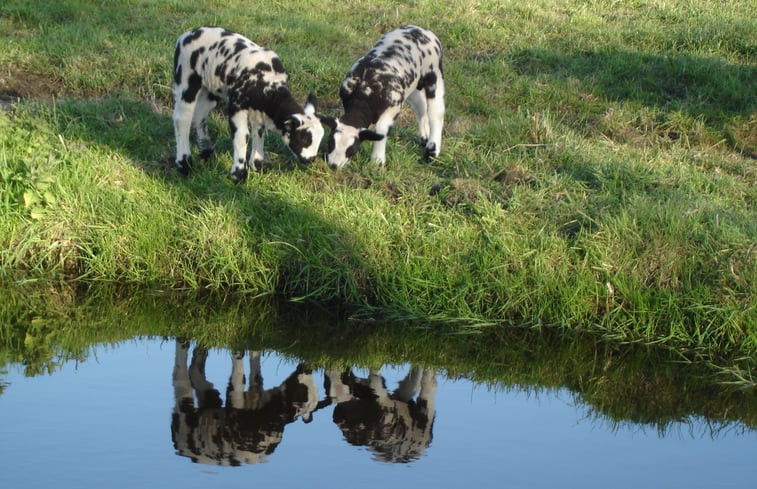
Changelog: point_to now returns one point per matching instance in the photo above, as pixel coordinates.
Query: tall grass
(597, 171)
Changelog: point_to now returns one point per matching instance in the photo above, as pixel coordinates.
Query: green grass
(597, 171)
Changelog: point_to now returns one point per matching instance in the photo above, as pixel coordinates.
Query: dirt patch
(459, 191)
(351, 179)
(514, 175)
(497, 188)
(19, 85)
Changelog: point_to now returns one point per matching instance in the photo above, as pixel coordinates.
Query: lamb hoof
(184, 166)
(430, 152)
(257, 165)
(239, 175)
(205, 154)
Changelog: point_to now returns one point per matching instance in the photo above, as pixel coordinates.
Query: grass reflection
(42, 327)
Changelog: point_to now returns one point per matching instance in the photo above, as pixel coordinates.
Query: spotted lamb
(404, 65)
(213, 64)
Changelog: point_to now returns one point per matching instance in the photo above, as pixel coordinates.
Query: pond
(151, 410)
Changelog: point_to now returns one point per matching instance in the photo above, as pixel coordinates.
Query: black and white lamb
(405, 65)
(213, 64)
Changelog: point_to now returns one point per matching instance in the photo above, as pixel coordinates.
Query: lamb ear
(310, 104)
(291, 123)
(368, 135)
(329, 121)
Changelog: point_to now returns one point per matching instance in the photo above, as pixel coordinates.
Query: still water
(162, 413)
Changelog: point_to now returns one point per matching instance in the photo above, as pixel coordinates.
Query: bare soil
(20, 85)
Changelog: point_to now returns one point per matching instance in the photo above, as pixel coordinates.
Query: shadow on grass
(315, 257)
(722, 96)
(699, 86)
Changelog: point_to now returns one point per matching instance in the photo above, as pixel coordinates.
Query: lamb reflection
(396, 426)
(251, 424)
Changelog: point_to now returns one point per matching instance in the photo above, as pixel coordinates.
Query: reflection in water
(397, 427)
(616, 383)
(491, 435)
(639, 406)
(251, 424)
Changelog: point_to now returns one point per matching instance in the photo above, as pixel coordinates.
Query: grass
(597, 171)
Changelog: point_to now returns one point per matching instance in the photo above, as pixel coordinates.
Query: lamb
(405, 65)
(213, 64)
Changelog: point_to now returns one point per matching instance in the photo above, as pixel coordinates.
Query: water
(114, 421)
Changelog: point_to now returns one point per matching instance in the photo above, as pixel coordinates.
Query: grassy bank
(597, 173)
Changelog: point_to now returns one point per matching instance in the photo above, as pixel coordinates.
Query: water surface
(142, 413)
